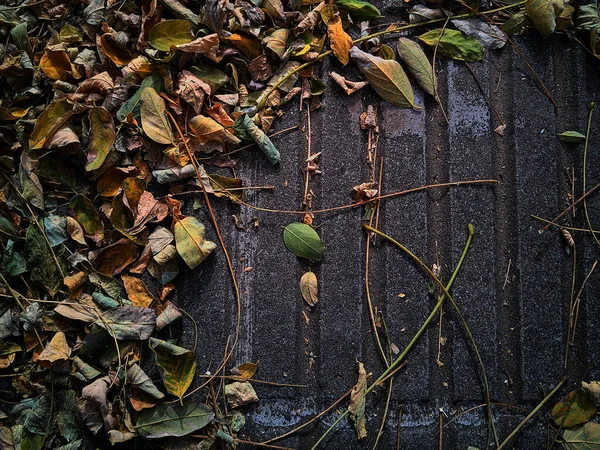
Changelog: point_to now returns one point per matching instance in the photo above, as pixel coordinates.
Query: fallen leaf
(56, 350)
(85, 214)
(385, 76)
(102, 137)
(128, 322)
(53, 117)
(339, 40)
(154, 117)
(309, 288)
(543, 14)
(239, 394)
(358, 9)
(356, 408)
(454, 44)
(490, 36)
(139, 380)
(583, 437)
(419, 66)
(137, 291)
(303, 241)
(592, 389)
(246, 129)
(191, 242)
(169, 33)
(573, 409)
(349, 86)
(173, 420)
(177, 366)
(207, 129)
(571, 136)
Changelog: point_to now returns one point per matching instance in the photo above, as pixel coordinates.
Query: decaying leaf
(303, 241)
(573, 409)
(102, 137)
(543, 14)
(191, 242)
(340, 41)
(57, 350)
(356, 408)
(137, 292)
(349, 86)
(309, 288)
(490, 36)
(128, 322)
(177, 366)
(592, 389)
(240, 393)
(246, 129)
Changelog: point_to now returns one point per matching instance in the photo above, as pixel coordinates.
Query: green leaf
(84, 212)
(170, 32)
(543, 14)
(8, 15)
(43, 268)
(583, 437)
(303, 241)
(19, 36)
(53, 117)
(454, 44)
(139, 380)
(12, 261)
(516, 24)
(173, 420)
(128, 322)
(573, 409)
(191, 242)
(154, 117)
(386, 76)
(588, 17)
(131, 106)
(212, 76)
(177, 366)
(571, 136)
(358, 10)
(102, 137)
(419, 66)
(247, 130)
(56, 229)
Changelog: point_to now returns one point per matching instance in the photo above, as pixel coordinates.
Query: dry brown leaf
(309, 288)
(57, 350)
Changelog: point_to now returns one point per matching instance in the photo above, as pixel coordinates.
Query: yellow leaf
(56, 350)
(137, 291)
(154, 117)
(55, 63)
(207, 129)
(340, 42)
(177, 366)
(53, 117)
(191, 242)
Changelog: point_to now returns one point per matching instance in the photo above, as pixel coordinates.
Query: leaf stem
(421, 330)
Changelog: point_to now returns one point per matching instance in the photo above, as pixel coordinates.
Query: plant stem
(531, 414)
(421, 330)
(585, 151)
(263, 100)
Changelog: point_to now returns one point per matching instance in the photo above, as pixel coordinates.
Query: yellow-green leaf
(102, 137)
(414, 57)
(386, 76)
(574, 409)
(53, 117)
(543, 14)
(170, 32)
(454, 44)
(177, 366)
(191, 242)
(155, 122)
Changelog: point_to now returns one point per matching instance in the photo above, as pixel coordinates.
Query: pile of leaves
(107, 109)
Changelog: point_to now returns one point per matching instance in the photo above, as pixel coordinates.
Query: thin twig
(531, 414)
(585, 151)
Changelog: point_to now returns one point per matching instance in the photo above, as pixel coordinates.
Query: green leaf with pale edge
(155, 122)
(359, 10)
(170, 32)
(53, 117)
(177, 366)
(543, 14)
(573, 409)
(303, 241)
(247, 130)
(571, 136)
(102, 137)
(173, 420)
(454, 44)
(583, 437)
(419, 66)
(385, 76)
(191, 242)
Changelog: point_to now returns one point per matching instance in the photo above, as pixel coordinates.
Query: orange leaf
(340, 42)
(137, 291)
